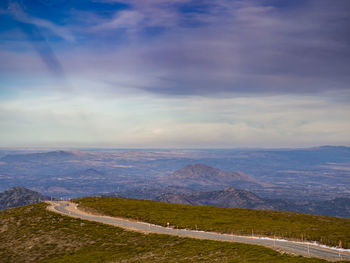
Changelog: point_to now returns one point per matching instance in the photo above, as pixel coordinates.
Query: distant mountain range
(54, 155)
(314, 180)
(320, 173)
(245, 199)
(336, 207)
(229, 197)
(19, 196)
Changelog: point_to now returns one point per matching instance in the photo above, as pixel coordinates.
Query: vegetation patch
(33, 234)
(324, 229)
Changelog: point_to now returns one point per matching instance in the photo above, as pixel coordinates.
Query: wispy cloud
(149, 122)
(15, 10)
(141, 15)
(37, 39)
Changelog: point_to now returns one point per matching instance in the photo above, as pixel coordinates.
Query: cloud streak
(232, 122)
(30, 26)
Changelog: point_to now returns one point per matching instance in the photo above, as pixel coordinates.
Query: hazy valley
(314, 180)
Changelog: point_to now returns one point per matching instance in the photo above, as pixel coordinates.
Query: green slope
(327, 230)
(33, 234)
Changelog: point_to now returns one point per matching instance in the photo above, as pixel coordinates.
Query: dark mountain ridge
(19, 196)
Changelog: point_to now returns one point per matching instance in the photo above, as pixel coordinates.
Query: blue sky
(178, 73)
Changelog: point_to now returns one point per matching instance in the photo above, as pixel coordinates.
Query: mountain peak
(63, 153)
(229, 189)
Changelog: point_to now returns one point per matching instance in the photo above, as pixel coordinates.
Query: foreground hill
(33, 234)
(327, 230)
(19, 196)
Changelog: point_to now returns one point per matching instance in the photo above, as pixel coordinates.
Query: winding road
(294, 247)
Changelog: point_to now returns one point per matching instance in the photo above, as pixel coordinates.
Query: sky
(174, 73)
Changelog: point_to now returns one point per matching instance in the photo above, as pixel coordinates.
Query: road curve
(298, 248)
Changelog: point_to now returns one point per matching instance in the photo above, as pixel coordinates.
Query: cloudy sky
(174, 73)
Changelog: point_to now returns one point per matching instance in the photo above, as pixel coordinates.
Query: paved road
(298, 248)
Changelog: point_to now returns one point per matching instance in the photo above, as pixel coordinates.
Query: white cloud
(146, 121)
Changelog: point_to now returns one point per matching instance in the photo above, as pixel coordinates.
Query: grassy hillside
(327, 230)
(33, 234)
